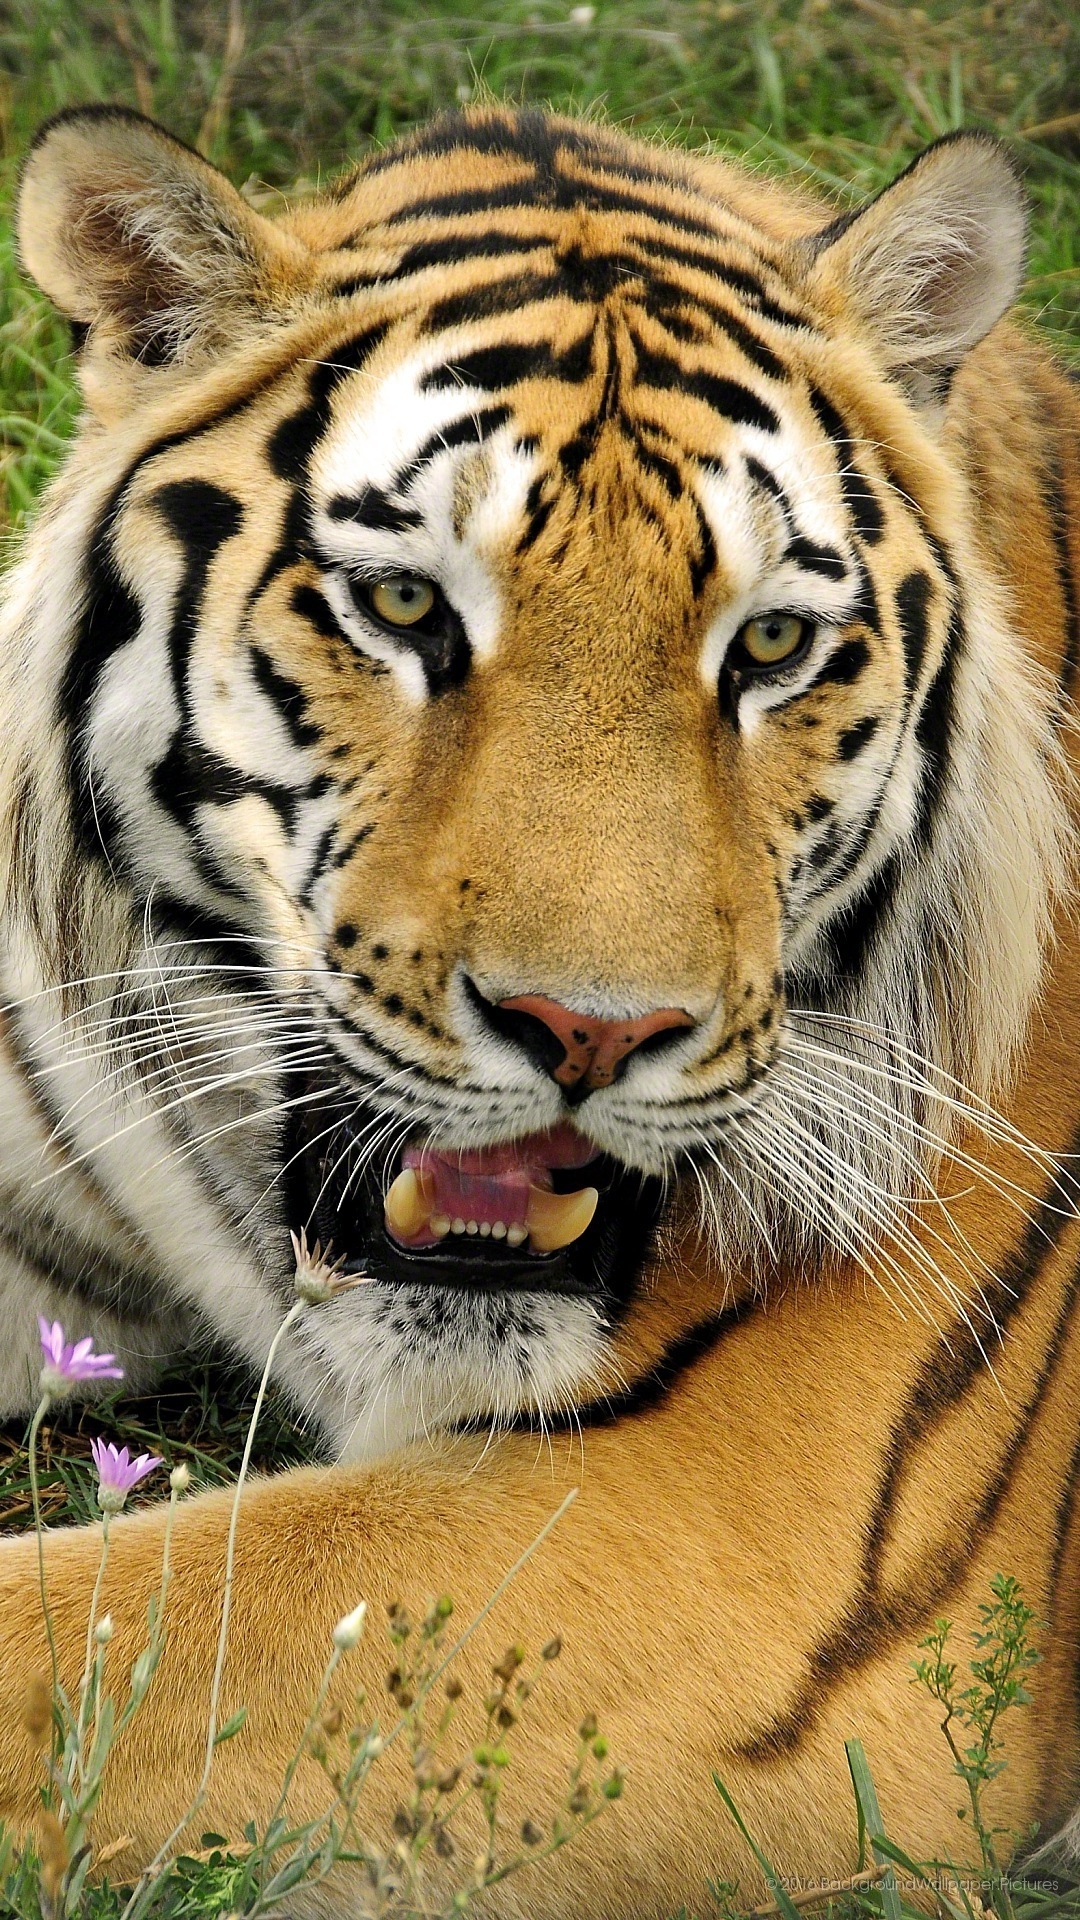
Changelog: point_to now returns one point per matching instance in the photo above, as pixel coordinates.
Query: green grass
(844, 93)
(198, 1415)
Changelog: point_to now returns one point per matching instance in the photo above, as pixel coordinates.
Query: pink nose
(593, 1048)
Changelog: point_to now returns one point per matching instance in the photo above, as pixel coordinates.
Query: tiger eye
(402, 599)
(772, 638)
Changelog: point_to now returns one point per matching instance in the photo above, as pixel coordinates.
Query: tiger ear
(933, 261)
(135, 236)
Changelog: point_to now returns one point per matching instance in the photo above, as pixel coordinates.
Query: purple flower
(65, 1364)
(118, 1472)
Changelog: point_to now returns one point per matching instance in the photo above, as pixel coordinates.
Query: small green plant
(974, 1703)
(1004, 1657)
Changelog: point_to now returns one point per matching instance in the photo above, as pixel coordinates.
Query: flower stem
(79, 1757)
(35, 1495)
(136, 1904)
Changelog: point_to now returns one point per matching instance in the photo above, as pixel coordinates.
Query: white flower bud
(349, 1628)
(103, 1632)
(180, 1478)
(312, 1288)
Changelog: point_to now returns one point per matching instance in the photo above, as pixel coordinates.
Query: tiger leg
(657, 1644)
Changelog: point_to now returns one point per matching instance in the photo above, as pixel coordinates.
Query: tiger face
(527, 648)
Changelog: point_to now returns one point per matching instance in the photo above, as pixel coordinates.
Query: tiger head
(510, 651)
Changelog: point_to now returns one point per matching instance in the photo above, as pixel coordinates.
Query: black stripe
(726, 397)
(843, 667)
(539, 505)
(855, 738)
(874, 1617)
(494, 297)
(1054, 500)
(454, 249)
(658, 464)
(663, 299)
(497, 367)
(739, 279)
(529, 134)
(202, 518)
(318, 863)
(470, 430)
(294, 544)
(375, 510)
(768, 482)
(703, 563)
(287, 695)
(934, 728)
(815, 558)
(295, 438)
(562, 192)
(312, 605)
(652, 1386)
(912, 601)
(850, 938)
(860, 498)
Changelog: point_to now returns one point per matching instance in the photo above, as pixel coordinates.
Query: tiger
(539, 753)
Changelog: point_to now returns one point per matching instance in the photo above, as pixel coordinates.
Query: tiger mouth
(545, 1213)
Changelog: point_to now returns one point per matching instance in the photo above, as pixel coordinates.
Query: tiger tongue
(506, 1186)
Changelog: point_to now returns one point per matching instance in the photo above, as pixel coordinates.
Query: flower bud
(103, 1631)
(531, 1833)
(506, 1668)
(551, 1648)
(311, 1288)
(588, 1728)
(37, 1711)
(53, 1852)
(349, 1628)
(180, 1478)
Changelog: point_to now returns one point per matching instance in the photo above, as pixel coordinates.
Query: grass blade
(870, 1812)
(779, 1893)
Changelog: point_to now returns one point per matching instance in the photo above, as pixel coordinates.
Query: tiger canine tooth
(555, 1219)
(409, 1203)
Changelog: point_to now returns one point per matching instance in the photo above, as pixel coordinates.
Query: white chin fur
(410, 1361)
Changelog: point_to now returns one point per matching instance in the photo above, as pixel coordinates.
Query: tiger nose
(592, 1050)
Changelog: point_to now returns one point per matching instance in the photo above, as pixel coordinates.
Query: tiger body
(816, 1372)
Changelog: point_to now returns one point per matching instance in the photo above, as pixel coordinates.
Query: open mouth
(542, 1212)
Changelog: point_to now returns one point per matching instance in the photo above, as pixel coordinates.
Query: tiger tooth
(409, 1203)
(556, 1219)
